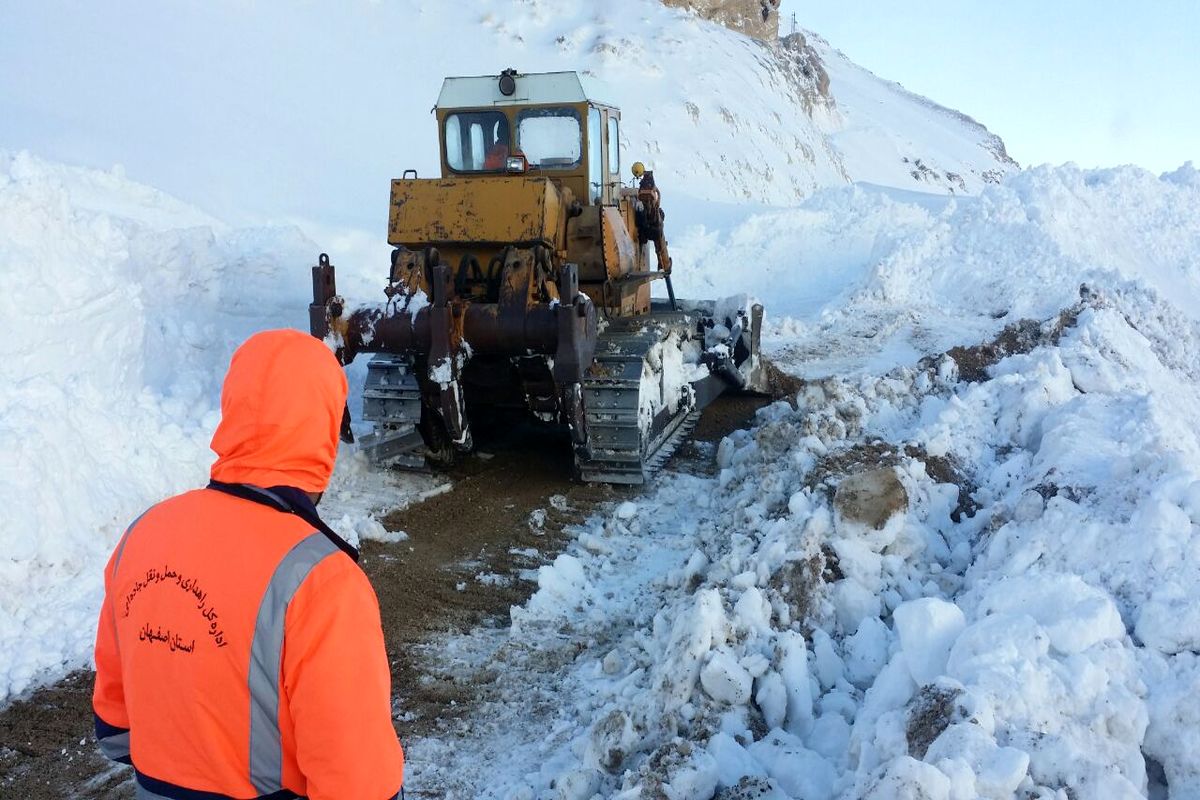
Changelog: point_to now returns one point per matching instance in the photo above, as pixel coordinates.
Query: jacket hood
(281, 411)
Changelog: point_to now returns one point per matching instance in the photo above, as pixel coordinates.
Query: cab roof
(535, 88)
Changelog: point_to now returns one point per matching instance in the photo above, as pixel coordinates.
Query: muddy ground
(471, 554)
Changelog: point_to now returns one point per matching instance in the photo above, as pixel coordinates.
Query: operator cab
(551, 125)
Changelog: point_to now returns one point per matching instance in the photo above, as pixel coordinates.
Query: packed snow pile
(122, 309)
(868, 278)
(968, 576)
(298, 124)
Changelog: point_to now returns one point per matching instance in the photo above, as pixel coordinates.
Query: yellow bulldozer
(521, 280)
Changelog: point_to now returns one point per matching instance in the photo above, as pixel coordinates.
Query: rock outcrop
(757, 18)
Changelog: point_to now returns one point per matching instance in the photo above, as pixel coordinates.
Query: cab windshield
(477, 141)
(550, 138)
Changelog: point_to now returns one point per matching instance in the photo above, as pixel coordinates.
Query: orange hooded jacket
(239, 652)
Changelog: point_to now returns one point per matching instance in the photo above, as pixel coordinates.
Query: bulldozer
(520, 282)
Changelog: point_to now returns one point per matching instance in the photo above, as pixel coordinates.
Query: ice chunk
(962, 778)
(1001, 774)
(995, 643)
(537, 519)
(692, 635)
(733, 761)
(371, 528)
(799, 771)
(909, 779)
(1169, 621)
(756, 664)
(725, 679)
(830, 737)
(752, 610)
(793, 668)
(866, 652)
(998, 770)
(927, 629)
(771, 698)
(854, 604)
(858, 561)
(696, 565)
(799, 504)
(626, 510)
(561, 586)
(839, 702)
(694, 779)
(828, 665)
(725, 452)
(577, 784)
(1075, 614)
(1173, 735)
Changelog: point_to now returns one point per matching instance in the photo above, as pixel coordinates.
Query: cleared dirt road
(470, 555)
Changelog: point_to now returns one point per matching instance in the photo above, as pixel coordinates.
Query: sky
(1096, 82)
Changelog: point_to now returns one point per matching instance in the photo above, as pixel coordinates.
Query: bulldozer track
(623, 449)
(392, 400)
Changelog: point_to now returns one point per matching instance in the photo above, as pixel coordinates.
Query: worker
(497, 157)
(239, 651)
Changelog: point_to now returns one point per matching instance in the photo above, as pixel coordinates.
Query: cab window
(477, 141)
(595, 155)
(550, 138)
(614, 149)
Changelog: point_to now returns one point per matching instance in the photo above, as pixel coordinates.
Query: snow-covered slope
(122, 310)
(304, 112)
(889, 136)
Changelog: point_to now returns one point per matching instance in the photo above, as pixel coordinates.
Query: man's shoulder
(219, 516)
(181, 500)
(337, 575)
(164, 510)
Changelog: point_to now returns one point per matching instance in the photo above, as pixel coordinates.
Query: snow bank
(122, 309)
(866, 278)
(1017, 617)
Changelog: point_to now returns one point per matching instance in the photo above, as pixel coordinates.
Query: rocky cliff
(757, 18)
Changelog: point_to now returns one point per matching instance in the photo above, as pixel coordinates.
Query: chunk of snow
(799, 771)
(1073, 613)
(772, 698)
(927, 629)
(725, 680)
(867, 651)
(793, 668)
(733, 761)
(909, 779)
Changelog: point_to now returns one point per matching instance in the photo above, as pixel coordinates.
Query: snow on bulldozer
(521, 281)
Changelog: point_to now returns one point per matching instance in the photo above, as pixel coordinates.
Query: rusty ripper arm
(449, 330)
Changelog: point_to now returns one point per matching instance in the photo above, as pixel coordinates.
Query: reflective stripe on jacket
(239, 651)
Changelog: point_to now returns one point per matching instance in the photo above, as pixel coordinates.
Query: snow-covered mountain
(258, 111)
